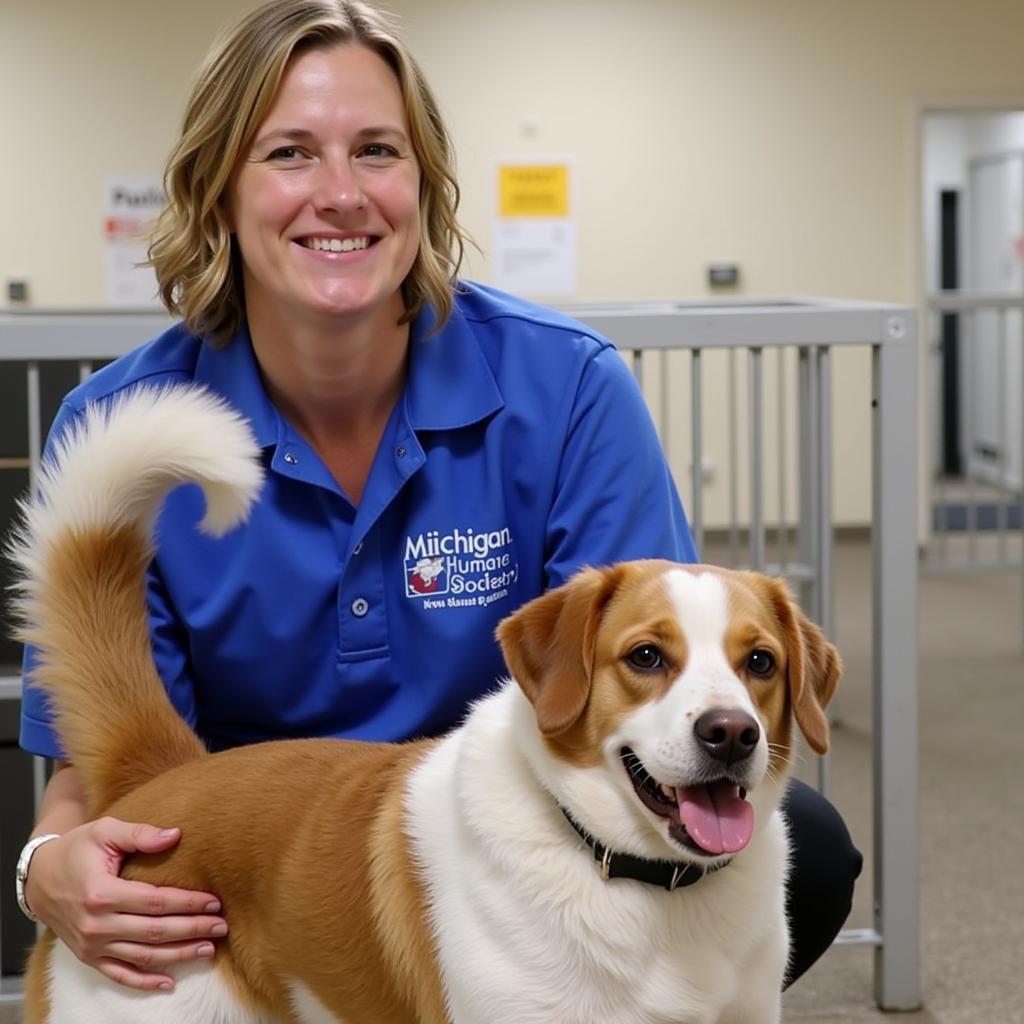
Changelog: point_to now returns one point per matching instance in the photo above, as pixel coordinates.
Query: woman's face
(325, 205)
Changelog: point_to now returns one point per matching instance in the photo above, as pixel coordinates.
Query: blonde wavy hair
(192, 250)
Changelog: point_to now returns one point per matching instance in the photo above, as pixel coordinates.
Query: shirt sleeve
(615, 498)
(170, 652)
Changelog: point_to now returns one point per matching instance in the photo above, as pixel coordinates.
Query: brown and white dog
(491, 875)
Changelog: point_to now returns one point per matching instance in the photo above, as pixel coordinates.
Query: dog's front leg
(762, 1008)
(759, 994)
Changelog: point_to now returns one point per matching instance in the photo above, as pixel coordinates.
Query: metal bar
(35, 455)
(971, 429)
(1002, 412)
(734, 463)
(757, 544)
(823, 487)
(11, 990)
(697, 449)
(823, 527)
(744, 325)
(894, 613)
(858, 937)
(665, 403)
(942, 521)
(82, 334)
(993, 565)
(85, 367)
(35, 424)
(662, 422)
(967, 302)
(73, 335)
(638, 366)
(807, 415)
(783, 407)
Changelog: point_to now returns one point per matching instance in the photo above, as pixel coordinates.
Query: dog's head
(665, 698)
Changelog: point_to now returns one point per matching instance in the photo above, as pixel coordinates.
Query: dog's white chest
(528, 933)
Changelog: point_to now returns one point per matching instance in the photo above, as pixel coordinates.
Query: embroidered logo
(427, 576)
(461, 568)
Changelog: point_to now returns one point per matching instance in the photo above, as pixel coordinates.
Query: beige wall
(781, 134)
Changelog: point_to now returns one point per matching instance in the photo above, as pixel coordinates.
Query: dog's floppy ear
(549, 645)
(814, 668)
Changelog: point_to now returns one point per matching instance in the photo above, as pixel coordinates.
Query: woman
(436, 453)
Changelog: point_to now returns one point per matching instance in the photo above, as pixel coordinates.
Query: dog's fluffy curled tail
(82, 551)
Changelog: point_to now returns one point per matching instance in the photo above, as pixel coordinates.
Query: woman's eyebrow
(289, 134)
(304, 134)
(382, 131)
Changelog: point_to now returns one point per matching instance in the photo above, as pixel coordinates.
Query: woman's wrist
(21, 872)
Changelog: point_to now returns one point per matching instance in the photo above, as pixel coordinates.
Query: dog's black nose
(727, 735)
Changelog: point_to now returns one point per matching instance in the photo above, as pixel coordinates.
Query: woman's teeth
(336, 244)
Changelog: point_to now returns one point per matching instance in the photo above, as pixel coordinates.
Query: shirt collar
(450, 383)
(231, 370)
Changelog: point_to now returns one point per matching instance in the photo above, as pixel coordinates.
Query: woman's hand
(127, 930)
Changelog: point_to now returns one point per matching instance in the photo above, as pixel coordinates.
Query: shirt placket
(362, 589)
(362, 618)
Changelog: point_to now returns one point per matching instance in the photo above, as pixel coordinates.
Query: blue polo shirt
(520, 450)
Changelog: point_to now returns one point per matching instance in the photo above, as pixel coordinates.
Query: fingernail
(165, 986)
(213, 907)
(218, 931)
(205, 950)
(166, 833)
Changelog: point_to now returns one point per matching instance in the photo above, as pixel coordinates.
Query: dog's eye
(646, 658)
(761, 662)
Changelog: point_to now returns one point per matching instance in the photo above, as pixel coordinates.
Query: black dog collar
(669, 874)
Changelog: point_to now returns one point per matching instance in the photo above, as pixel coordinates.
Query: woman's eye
(376, 150)
(646, 658)
(761, 662)
(285, 153)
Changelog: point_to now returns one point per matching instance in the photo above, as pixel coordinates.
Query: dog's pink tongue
(715, 816)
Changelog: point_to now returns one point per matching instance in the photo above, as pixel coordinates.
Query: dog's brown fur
(141, 762)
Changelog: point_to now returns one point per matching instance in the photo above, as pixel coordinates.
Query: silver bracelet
(21, 872)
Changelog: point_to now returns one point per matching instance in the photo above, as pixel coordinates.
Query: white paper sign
(534, 232)
(130, 206)
(535, 256)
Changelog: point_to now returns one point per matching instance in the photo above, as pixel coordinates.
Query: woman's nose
(338, 187)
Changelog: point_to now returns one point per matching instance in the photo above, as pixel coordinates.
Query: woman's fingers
(159, 931)
(143, 898)
(153, 957)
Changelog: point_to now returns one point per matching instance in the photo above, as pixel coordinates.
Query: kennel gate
(975, 402)
(790, 343)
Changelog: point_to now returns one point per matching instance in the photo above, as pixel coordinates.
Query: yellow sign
(540, 190)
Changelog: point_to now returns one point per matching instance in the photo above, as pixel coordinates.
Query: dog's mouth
(709, 818)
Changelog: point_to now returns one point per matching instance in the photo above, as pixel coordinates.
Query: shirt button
(360, 607)
(292, 460)
(400, 452)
